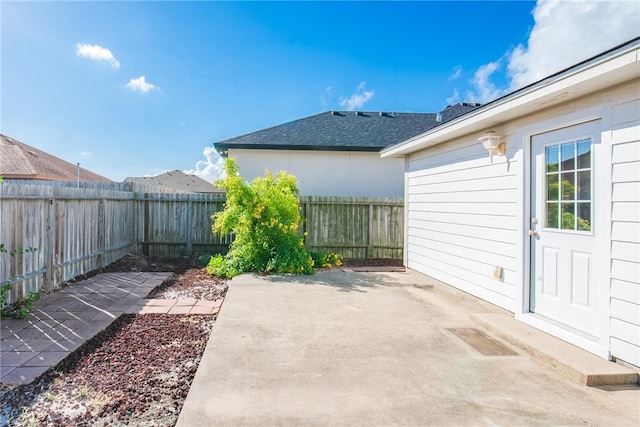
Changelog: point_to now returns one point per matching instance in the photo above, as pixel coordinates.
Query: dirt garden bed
(138, 371)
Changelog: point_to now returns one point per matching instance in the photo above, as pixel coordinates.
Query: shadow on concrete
(352, 281)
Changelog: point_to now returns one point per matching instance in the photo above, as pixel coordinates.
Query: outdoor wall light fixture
(491, 142)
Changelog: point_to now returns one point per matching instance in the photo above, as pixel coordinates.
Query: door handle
(533, 233)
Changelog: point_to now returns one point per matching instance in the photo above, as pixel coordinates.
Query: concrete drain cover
(482, 342)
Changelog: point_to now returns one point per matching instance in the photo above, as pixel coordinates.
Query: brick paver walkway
(62, 321)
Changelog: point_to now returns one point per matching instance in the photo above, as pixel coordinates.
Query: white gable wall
(327, 173)
(466, 216)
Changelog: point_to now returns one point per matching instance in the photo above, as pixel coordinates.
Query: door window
(568, 185)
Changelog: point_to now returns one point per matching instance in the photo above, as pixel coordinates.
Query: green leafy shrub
(264, 217)
(23, 306)
(203, 260)
(325, 259)
(224, 266)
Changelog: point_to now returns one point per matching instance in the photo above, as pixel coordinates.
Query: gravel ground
(137, 372)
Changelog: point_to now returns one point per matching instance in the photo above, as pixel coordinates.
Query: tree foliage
(264, 216)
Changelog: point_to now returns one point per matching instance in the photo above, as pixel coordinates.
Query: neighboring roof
(177, 181)
(344, 130)
(610, 68)
(21, 161)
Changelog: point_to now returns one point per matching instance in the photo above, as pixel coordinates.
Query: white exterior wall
(625, 232)
(327, 173)
(465, 216)
(462, 218)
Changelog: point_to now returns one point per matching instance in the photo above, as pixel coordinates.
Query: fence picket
(77, 230)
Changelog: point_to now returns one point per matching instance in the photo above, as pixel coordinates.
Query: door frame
(602, 216)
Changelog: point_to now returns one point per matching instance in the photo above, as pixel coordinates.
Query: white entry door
(563, 242)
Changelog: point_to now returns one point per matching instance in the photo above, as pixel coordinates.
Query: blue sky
(139, 88)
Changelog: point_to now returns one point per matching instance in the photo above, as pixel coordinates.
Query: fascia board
(608, 72)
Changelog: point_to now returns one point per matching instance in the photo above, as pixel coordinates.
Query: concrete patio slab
(375, 349)
(579, 365)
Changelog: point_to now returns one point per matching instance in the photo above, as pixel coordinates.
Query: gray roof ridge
(344, 130)
(327, 112)
(272, 127)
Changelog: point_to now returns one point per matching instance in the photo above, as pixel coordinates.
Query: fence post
(145, 225)
(370, 232)
(101, 232)
(189, 248)
(304, 201)
(136, 220)
(49, 249)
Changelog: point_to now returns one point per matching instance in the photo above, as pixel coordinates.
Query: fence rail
(358, 227)
(77, 230)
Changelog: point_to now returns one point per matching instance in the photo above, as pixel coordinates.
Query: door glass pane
(568, 189)
(584, 154)
(568, 216)
(584, 216)
(552, 215)
(553, 189)
(567, 156)
(584, 185)
(567, 186)
(551, 156)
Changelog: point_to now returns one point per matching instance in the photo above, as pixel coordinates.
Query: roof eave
(226, 147)
(598, 73)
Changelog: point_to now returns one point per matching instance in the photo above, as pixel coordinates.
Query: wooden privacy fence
(77, 230)
(73, 231)
(354, 227)
(173, 225)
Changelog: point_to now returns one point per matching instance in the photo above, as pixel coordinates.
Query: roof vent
(359, 113)
(32, 153)
(387, 114)
(439, 117)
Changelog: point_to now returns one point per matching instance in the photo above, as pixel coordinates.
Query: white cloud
(97, 53)
(567, 32)
(564, 33)
(211, 169)
(358, 99)
(455, 98)
(484, 89)
(325, 94)
(456, 73)
(140, 84)
(85, 154)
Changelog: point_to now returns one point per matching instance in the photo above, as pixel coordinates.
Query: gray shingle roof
(177, 181)
(344, 130)
(21, 161)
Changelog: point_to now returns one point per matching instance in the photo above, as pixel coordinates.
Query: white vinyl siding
(467, 217)
(462, 215)
(625, 233)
